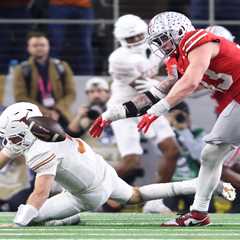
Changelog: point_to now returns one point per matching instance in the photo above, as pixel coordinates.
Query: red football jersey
(223, 74)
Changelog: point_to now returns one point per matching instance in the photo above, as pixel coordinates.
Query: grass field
(126, 226)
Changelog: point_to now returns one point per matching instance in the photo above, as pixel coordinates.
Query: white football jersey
(125, 67)
(73, 163)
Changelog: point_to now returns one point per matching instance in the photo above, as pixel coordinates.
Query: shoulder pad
(196, 38)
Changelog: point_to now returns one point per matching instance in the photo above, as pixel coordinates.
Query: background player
(203, 59)
(134, 69)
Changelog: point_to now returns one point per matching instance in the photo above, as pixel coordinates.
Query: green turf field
(126, 226)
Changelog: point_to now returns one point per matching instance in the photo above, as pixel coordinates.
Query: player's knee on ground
(136, 196)
(212, 153)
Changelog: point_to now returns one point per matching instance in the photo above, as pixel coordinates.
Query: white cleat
(228, 191)
(73, 220)
(156, 206)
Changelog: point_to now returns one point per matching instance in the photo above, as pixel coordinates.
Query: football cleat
(229, 191)
(191, 219)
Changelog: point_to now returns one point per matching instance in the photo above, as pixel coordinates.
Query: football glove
(98, 126)
(145, 122)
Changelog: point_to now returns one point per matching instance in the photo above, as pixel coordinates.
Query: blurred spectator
(11, 37)
(81, 41)
(97, 92)
(45, 81)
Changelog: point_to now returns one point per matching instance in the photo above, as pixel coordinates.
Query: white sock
(162, 190)
(209, 176)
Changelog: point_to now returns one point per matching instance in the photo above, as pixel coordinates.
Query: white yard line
(86, 229)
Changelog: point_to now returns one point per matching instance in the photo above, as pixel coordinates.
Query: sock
(162, 190)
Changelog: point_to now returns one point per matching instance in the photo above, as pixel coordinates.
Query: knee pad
(214, 153)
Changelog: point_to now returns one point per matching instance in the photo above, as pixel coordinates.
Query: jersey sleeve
(195, 39)
(44, 163)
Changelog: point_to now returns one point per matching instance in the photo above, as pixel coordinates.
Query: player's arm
(45, 165)
(42, 188)
(136, 107)
(199, 60)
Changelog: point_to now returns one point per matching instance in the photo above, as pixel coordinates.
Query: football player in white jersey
(88, 180)
(133, 69)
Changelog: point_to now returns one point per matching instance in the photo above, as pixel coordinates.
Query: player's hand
(143, 85)
(98, 126)
(145, 122)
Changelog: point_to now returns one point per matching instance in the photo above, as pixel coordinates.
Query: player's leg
(224, 133)
(128, 142)
(60, 206)
(163, 190)
(124, 193)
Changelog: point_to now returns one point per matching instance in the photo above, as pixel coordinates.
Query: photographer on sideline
(98, 92)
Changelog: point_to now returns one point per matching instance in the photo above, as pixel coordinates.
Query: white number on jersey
(225, 85)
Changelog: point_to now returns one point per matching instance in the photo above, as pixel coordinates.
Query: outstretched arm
(136, 107)
(199, 60)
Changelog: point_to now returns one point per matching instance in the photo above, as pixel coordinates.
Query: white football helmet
(221, 32)
(165, 31)
(130, 30)
(14, 128)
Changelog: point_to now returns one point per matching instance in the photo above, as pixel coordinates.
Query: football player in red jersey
(203, 60)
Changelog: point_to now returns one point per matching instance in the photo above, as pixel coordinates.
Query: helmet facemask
(162, 44)
(18, 141)
(136, 43)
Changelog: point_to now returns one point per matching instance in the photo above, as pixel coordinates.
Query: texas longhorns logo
(23, 119)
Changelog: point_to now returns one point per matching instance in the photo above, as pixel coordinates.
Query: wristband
(159, 108)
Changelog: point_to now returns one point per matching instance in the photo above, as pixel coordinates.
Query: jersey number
(224, 85)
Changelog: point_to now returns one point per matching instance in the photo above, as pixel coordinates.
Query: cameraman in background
(98, 92)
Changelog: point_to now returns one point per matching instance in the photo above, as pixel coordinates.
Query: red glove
(98, 126)
(145, 122)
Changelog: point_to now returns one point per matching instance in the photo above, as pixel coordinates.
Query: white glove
(143, 85)
(25, 214)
